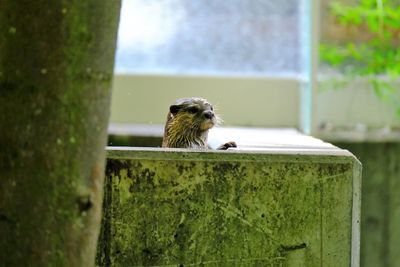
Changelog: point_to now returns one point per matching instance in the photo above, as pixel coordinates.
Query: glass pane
(210, 36)
(360, 37)
(359, 68)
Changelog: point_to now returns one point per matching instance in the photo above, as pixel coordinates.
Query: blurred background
(328, 68)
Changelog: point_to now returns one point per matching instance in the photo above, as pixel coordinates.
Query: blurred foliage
(376, 58)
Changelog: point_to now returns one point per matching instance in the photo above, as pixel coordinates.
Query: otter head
(188, 122)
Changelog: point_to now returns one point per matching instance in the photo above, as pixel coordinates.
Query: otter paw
(227, 145)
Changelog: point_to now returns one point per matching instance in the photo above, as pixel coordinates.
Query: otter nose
(208, 115)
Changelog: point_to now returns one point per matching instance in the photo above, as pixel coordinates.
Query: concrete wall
(185, 208)
(380, 223)
(269, 101)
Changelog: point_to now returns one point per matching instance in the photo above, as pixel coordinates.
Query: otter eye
(193, 110)
(174, 109)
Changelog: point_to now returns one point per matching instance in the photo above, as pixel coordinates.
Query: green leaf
(373, 24)
(368, 3)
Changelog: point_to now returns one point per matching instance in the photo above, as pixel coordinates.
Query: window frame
(260, 101)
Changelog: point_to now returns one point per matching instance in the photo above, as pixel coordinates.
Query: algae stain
(12, 30)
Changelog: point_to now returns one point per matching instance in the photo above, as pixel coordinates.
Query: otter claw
(227, 145)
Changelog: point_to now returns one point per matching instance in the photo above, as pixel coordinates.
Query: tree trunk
(56, 67)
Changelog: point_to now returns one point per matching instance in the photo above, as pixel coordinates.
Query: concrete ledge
(248, 138)
(254, 207)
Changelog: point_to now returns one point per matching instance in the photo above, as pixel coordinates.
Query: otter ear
(174, 109)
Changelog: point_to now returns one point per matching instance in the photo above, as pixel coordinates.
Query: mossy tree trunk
(56, 67)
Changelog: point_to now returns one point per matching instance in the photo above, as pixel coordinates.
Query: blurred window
(257, 37)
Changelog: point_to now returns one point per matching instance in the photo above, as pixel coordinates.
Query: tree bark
(56, 67)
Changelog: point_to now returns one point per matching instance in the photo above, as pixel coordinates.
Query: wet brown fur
(188, 122)
(185, 129)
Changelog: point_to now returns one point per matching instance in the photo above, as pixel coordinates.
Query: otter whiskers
(188, 122)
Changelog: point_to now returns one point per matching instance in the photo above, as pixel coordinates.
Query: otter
(188, 122)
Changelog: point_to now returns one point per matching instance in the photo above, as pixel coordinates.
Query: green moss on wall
(380, 214)
(223, 209)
